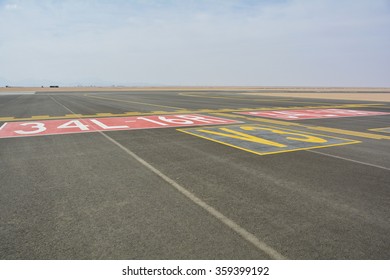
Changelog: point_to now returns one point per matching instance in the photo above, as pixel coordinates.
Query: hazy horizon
(195, 43)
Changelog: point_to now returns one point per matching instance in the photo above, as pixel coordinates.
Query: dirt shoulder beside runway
(383, 97)
(361, 94)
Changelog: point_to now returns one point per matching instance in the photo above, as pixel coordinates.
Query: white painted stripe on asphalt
(251, 238)
(211, 210)
(348, 159)
(1, 127)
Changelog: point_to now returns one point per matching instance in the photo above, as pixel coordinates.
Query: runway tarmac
(193, 175)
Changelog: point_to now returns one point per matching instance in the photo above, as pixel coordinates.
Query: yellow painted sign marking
(265, 140)
(350, 132)
(311, 127)
(242, 136)
(382, 129)
(304, 137)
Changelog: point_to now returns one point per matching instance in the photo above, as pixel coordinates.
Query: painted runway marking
(311, 127)
(349, 132)
(182, 111)
(313, 114)
(265, 140)
(383, 129)
(52, 127)
(249, 237)
(2, 126)
(352, 160)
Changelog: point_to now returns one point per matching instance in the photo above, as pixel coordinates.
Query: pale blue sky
(189, 42)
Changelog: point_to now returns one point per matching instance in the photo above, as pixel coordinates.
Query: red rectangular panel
(313, 114)
(51, 127)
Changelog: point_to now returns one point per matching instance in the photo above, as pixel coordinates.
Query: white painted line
(1, 127)
(251, 238)
(211, 210)
(348, 159)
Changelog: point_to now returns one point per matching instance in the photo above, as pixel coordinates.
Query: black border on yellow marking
(268, 126)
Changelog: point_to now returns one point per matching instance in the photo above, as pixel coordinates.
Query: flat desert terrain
(363, 94)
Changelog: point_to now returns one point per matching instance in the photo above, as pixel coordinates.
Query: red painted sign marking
(313, 114)
(51, 127)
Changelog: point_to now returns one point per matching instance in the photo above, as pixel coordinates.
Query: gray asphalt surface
(86, 196)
